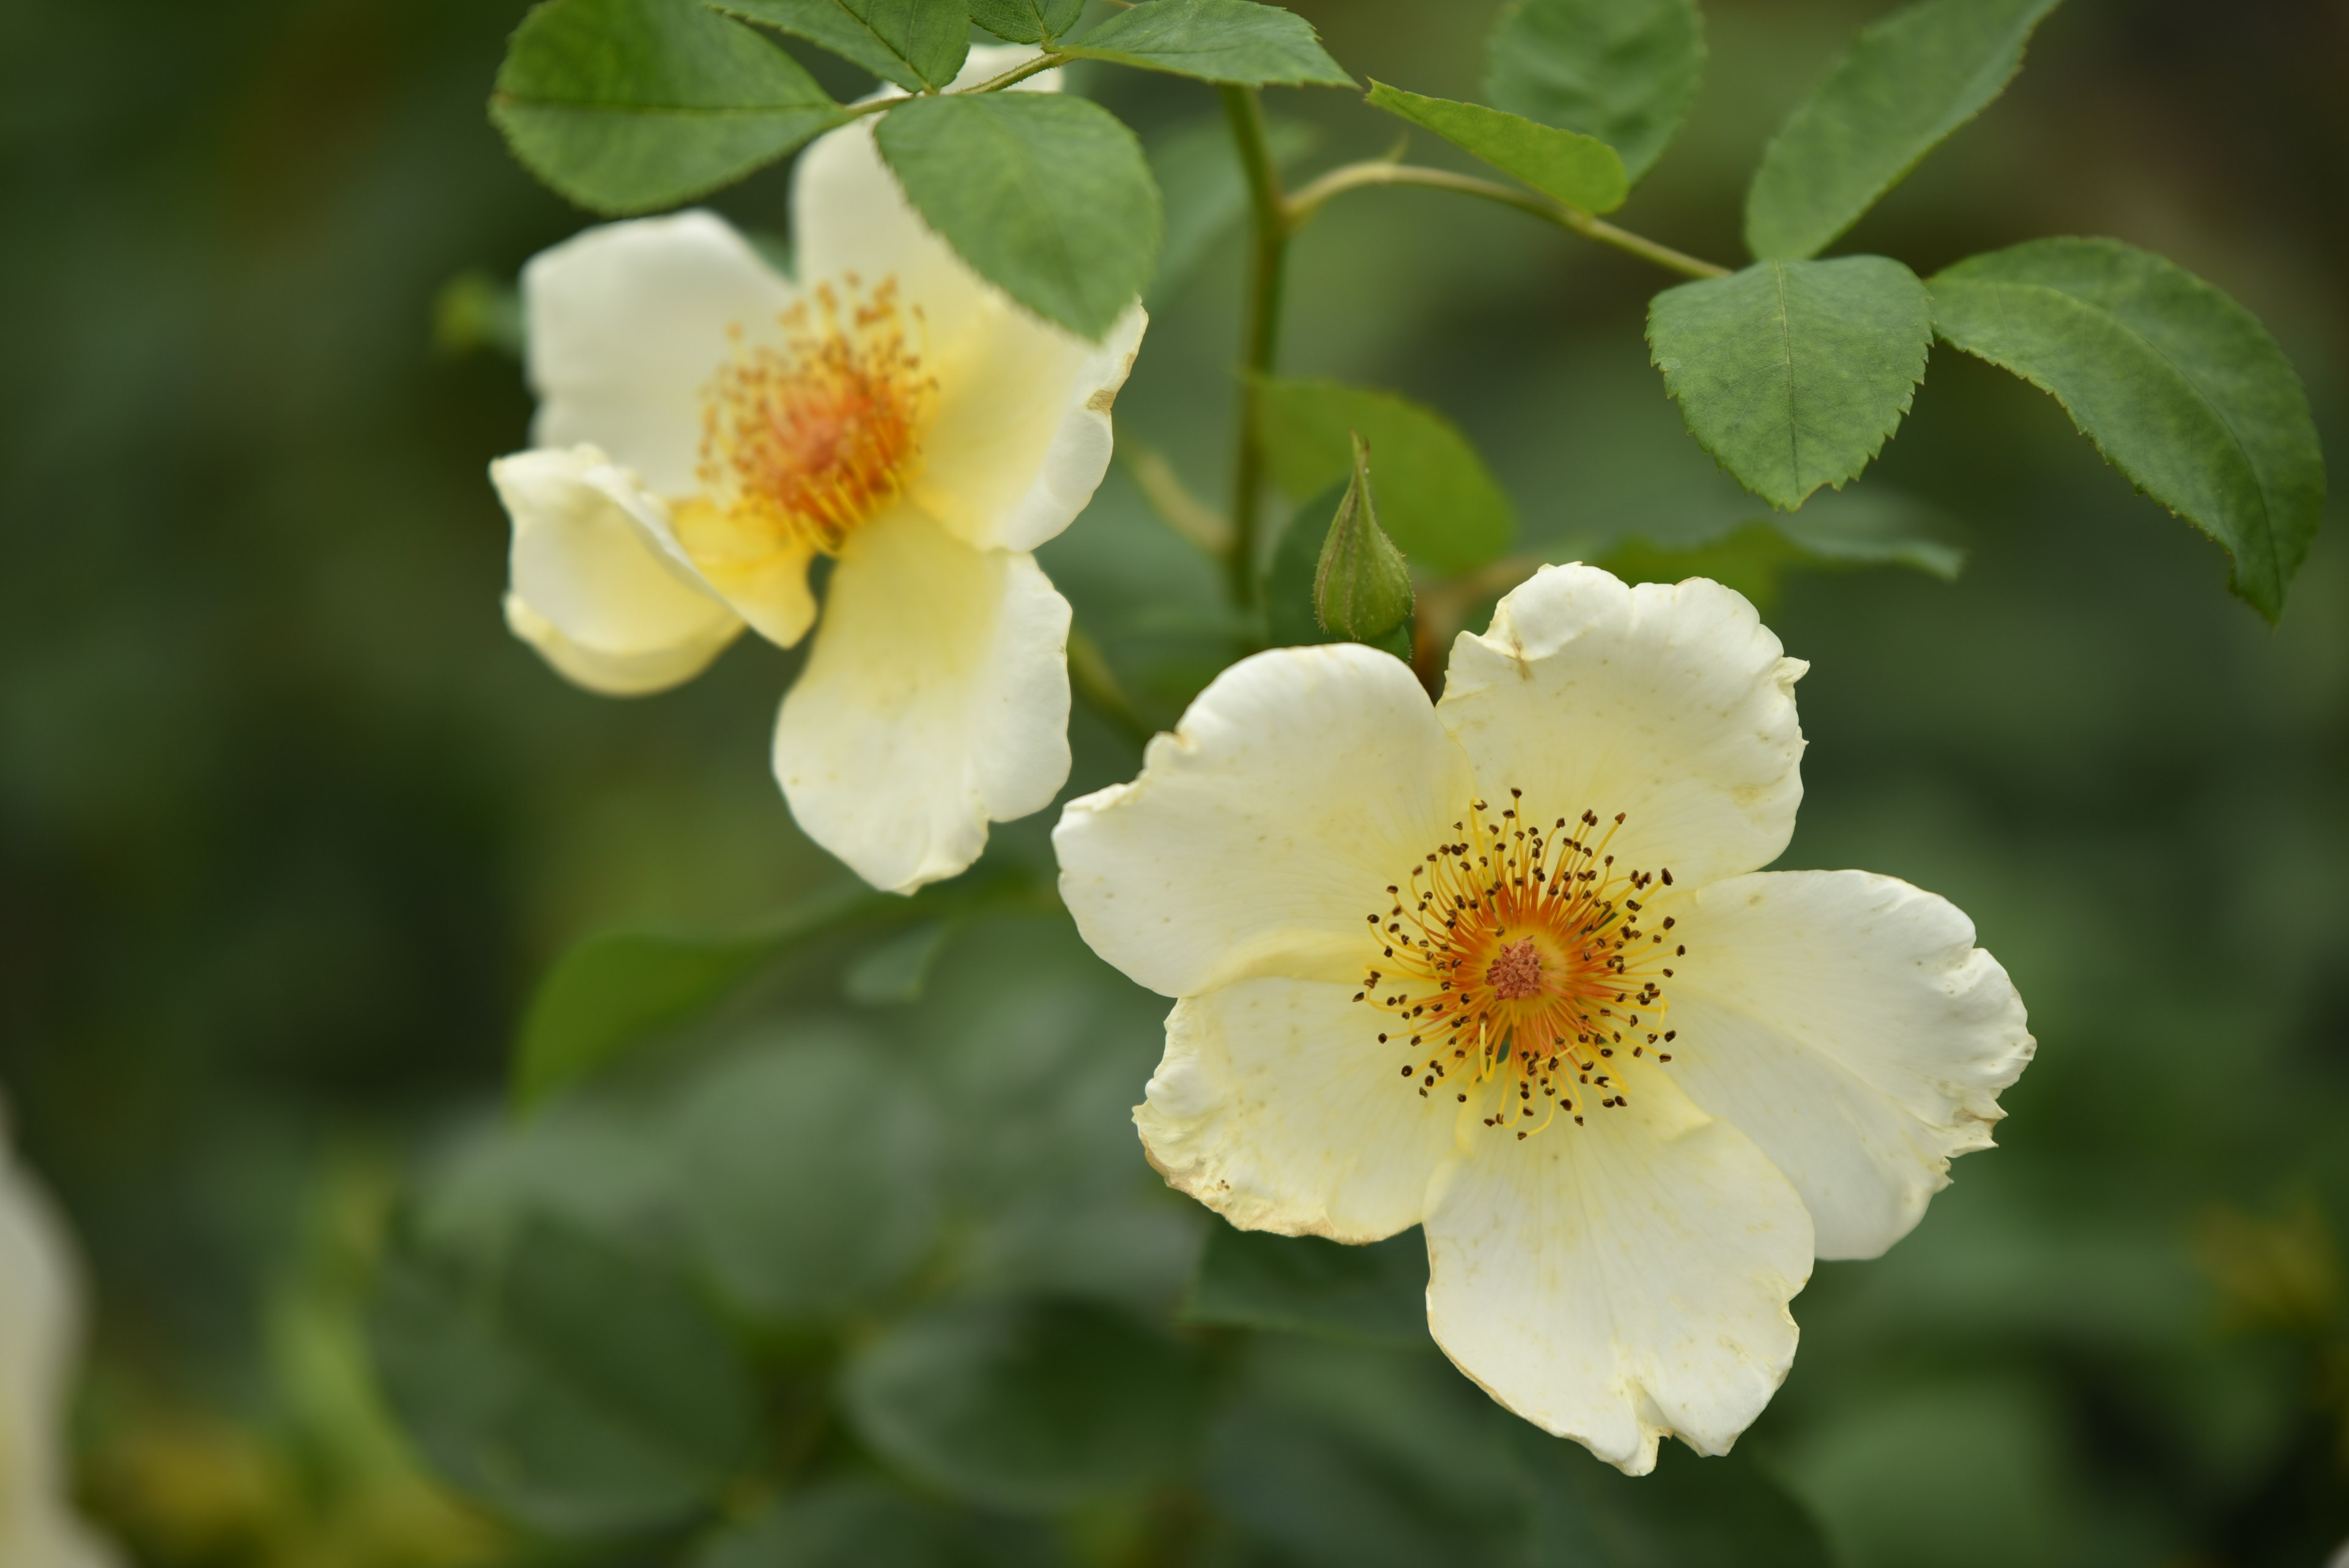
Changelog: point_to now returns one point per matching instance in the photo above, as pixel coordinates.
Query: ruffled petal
(1622, 1280)
(1276, 1107)
(1672, 705)
(936, 699)
(1300, 785)
(1848, 1022)
(598, 582)
(628, 324)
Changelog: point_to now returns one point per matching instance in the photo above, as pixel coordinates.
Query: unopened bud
(1362, 589)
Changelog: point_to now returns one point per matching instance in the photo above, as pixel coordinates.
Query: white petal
(1848, 1022)
(626, 325)
(598, 582)
(1674, 704)
(761, 576)
(1276, 1107)
(39, 1329)
(1622, 1280)
(1021, 437)
(935, 700)
(1300, 784)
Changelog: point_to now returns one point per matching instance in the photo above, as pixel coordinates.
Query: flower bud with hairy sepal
(1361, 588)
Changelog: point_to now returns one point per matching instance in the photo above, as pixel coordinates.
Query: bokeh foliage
(289, 830)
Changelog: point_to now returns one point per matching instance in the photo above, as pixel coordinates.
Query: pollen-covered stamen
(805, 441)
(1515, 956)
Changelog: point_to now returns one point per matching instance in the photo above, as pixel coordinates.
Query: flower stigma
(1517, 955)
(803, 441)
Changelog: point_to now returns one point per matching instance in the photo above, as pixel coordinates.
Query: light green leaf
(806, 1175)
(574, 1389)
(1437, 501)
(1906, 83)
(618, 989)
(1624, 71)
(1025, 1405)
(1046, 197)
(1028, 21)
(1579, 171)
(625, 106)
(916, 44)
(1793, 374)
(1214, 41)
(1303, 1285)
(1723, 1513)
(1205, 192)
(2179, 386)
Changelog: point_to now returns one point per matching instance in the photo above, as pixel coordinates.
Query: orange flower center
(803, 441)
(1525, 958)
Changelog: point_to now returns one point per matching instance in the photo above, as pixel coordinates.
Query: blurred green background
(289, 826)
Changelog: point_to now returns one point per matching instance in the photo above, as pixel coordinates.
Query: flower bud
(1362, 589)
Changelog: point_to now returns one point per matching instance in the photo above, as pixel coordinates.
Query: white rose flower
(1504, 966)
(39, 1313)
(707, 428)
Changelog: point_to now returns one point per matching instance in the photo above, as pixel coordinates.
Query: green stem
(1269, 231)
(1092, 682)
(1302, 206)
(1049, 60)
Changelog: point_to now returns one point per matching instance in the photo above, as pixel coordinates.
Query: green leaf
(2179, 386)
(1214, 41)
(916, 44)
(1028, 21)
(625, 106)
(573, 1388)
(1906, 83)
(1711, 1513)
(1205, 192)
(1025, 1405)
(1303, 1285)
(1579, 171)
(1437, 501)
(1046, 197)
(1793, 374)
(1624, 71)
(837, 1523)
(806, 1171)
(618, 989)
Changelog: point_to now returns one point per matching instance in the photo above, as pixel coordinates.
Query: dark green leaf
(1792, 374)
(574, 1389)
(1347, 1457)
(916, 44)
(625, 106)
(2179, 386)
(1028, 21)
(1907, 83)
(1206, 193)
(1046, 197)
(1579, 171)
(838, 1524)
(1216, 41)
(1304, 1284)
(1689, 1514)
(806, 1174)
(1624, 71)
(1437, 501)
(619, 989)
(1023, 1405)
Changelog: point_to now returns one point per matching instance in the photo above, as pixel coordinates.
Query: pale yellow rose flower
(707, 428)
(1505, 965)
